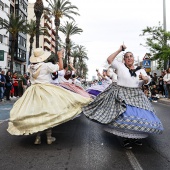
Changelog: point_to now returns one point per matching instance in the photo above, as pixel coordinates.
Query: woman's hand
(142, 77)
(122, 47)
(60, 53)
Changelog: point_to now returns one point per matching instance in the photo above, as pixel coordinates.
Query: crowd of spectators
(12, 85)
(159, 87)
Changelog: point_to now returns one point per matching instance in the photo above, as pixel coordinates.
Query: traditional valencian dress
(124, 108)
(98, 88)
(44, 105)
(70, 85)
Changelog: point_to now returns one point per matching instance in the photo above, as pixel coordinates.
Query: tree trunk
(37, 31)
(38, 10)
(12, 55)
(67, 54)
(74, 62)
(31, 42)
(57, 24)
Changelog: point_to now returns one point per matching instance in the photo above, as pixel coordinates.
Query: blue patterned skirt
(126, 112)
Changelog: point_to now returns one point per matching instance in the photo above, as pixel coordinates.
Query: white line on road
(6, 108)
(2, 121)
(133, 161)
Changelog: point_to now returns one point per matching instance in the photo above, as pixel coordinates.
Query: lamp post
(166, 65)
(164, 14)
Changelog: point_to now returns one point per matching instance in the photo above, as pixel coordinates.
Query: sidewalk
(12, 100)
(164, 101)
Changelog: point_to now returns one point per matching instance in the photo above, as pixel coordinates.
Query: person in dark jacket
(8, 85)
(2, 85)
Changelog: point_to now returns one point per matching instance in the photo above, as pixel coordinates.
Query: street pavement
(81, 144)
(164, 100)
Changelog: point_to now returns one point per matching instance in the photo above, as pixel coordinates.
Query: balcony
(47, 25)
(47, 18)
(47, 48)
(53, 37)
(53, 43)
(47, 40)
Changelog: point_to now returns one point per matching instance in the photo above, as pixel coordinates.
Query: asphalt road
(83, 145)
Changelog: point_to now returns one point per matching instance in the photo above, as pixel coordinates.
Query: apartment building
(20, 55)
(4, 36)
(47, 42)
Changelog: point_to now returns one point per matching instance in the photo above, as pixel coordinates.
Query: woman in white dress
(43, 105)
(98, 88)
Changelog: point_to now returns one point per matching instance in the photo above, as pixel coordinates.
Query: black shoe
(127, 144)
(137, 142)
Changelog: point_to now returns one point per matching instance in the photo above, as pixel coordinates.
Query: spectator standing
(2, 85)
(155, 78)
(24, 82)
(8, 85)
(161, 86)
(15, 84)
(166, 79)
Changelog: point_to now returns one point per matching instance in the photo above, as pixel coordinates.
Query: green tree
(156, 41)
(68, 30)
(38, 10)
(59, 9)
(15, 25)
(31, 31)
(80, 56)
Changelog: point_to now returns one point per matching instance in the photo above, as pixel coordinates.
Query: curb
(164, 101)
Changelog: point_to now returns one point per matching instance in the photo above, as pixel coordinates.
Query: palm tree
(31, 31)
(80, 56)
(58, 9)
(15, 25)
(75, 55)
(69, 29)
(38, 10)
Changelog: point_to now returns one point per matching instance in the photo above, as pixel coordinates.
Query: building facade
(20, 48)
(47, 42)
(4, 36)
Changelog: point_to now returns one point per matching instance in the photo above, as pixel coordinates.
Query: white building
(47, 42)
(4, 36)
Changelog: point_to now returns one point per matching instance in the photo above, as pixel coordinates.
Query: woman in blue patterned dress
(124, 108)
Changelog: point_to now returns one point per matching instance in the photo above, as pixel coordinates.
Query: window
(1, 5)
(17, 67)
(21, 54)
(1, 38)
(21, 41)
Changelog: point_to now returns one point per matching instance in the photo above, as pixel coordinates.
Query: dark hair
(52, 58)
(73, 76)
(65, 65)
(7, 72)
(168, 70)
(127, 53)
(55, 75)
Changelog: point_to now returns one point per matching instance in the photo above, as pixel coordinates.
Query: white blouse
(124, 78)
(61, 78)
(45, 73)
(166, 77)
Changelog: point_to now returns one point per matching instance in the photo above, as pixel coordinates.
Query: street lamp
(164, 14)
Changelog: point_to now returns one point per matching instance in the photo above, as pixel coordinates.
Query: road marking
(2, 121)
(133, 161)
(7, 108)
